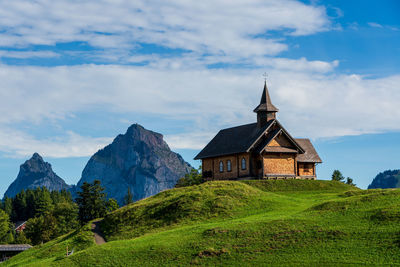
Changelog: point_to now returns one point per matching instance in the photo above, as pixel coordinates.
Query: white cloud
(19, 144)
(312, 104)
(238, 28)
(380, 26)
(375, 25)
(27, 54)
(193, 61)
(193, 140)
(302, 64)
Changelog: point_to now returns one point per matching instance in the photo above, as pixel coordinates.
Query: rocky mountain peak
(36, 164)
(137, 133)
(139, 159)
(34, 173)
(386, 179)
(36, 156)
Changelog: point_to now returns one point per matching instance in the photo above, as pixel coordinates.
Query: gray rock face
(386, 179)
(34, 173)
(140, 160)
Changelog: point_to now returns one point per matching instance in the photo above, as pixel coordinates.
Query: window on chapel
(221, 166)
(229, 166)
(243, 163)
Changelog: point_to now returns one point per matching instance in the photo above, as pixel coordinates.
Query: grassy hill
(240, 223)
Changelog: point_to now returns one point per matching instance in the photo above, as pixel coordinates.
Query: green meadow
(240, 223)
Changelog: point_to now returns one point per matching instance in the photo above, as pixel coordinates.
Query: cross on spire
(265, 77)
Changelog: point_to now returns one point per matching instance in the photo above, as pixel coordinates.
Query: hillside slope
(244, 223)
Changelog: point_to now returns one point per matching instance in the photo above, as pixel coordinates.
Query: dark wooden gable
(276, 139)
(281, 140)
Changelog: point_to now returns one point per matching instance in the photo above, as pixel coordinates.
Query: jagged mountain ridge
(386, 179)
(140, 160)
(34, 173)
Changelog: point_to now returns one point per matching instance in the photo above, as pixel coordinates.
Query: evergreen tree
(19, 207)
(195, 177)
(128, 198)
(20, 238)
(31, 202)
(66, 214)
(43, 203)
(48, 215)
(349, 181)
(7, 205)
(112, 205)
(65, 196)
(41, 229)
(337, 176)
(91, 201)
(5, 228)
(9, 238)
(56, 197)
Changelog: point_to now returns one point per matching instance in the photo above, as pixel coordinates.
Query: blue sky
(74, 75)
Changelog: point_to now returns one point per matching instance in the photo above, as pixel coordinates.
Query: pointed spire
(266, 103)
(266, 111)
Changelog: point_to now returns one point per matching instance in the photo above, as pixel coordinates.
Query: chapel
(261, 150)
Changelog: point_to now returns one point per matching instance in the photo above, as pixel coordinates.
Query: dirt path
(98, 237)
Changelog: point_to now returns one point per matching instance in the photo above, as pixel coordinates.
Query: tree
(349, 181)
(7, 205)
(31, 202)
(48, 215)
(20, 238)
(66, 214)
(5, 227)
(112, 205)
(62, 219)
(337, 176)
(61, 196)
(41, 229)
(193, 178)
(91, 201)
(19, 207)
(128, 198)
(43, 203)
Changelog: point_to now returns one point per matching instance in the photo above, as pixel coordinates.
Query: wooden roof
(233, 140)
(243, 139)
(249, 137)
(18, 247)
(19, 224)
(310, 154)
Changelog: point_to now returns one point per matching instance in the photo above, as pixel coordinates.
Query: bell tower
(266, 111)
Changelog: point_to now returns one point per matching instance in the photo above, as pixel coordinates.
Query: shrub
(193, 178)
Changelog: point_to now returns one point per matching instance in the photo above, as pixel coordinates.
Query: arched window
(243, 163)
(221, 166)
(229, 166)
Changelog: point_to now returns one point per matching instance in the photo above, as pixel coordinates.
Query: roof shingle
(310, 154)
